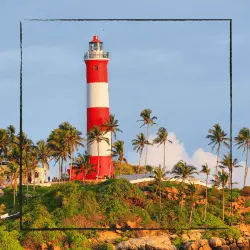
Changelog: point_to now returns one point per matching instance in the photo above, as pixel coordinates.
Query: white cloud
(176, 151)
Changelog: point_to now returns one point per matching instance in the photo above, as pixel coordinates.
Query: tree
(72, 139)
(183, 171)
(97, 135)
(58, 148)
(83, 161)
(147, 121)
(206, 170)
(4, 143)
(43, 153)
(139, 144)
(217, 138)
(162, 138)
(222, 180)
(229, 164)
(111, 126)
(192, 191)
(118, 152)
(159, 174)
(243, 142)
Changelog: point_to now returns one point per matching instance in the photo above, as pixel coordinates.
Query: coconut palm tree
(139, 144)
(73, 140)
(226, 163)
(162, 138)
(118, 152)
(192, 190)
(217, 138)
(183, 171)
(43, 153)
(159, 174)
(83, 161)
(206, 170)
(111, 126)
(97, 135)
(147, 121)
(4, 143)
(243, 142)
(222, 180)
(58, 148)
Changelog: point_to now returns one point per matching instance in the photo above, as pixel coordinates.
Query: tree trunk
(223, 205)
(246, 168)
(217, 161)
(191, 215)
(59, 169)
(205, 213)
(98, 161)
(146, 153)
(139, 165)
(164, 155)
(110, 165)
(70, 166)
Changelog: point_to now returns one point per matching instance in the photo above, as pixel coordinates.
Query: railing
(99, 54)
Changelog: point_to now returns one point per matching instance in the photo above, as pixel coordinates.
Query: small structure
(37, 176)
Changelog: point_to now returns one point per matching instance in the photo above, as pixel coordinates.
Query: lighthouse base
(106, 169)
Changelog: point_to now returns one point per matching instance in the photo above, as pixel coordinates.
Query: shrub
(76, 239)
(245, 191)
(9, 240)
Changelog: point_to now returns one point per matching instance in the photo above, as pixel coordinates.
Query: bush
(245, 191)
(76, 239)
(9, 240)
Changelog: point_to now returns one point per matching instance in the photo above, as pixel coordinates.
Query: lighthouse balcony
(96, 55)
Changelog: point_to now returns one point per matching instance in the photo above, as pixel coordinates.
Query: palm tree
(243, 142)
(183, 171)
(206, 170)
(73, 140)
(162, 138)
(147, 121)
(83, 160)
(112, 126)
(159, 174)
(59, 147)
(13, 171)
(222, 180)
(192, 190)
(217, 138)
(43, 153)
(97, 135)
(139, 144)
(4, 143)
(118, 152)
(229, 164)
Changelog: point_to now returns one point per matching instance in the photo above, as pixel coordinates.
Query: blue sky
(179, 70)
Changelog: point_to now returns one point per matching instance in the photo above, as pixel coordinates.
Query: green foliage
(76, 239)
(247, 203)
(247, 218)
(104, 246)
(230, 232)
(177, 242)
(9, 240)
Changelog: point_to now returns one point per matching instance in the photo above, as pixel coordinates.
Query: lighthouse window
(96, 67)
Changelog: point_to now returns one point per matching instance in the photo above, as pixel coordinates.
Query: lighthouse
(96, 60)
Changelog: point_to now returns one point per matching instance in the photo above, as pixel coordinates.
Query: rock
(215, 242)
(147, 243)
(242, 242)
(224, 247)
(192, 245)
(131, 224)
(185, 238)
(1, 192)
(194, 235)
(204, 245)
(234, 247)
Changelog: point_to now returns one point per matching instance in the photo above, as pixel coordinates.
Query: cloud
(176, 151)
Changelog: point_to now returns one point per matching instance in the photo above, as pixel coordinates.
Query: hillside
(118, 204)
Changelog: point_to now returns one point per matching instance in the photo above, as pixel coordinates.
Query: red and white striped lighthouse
(98, 105)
